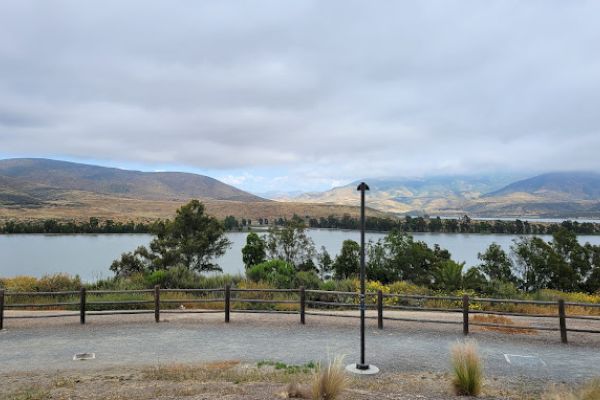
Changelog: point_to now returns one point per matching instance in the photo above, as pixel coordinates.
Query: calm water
(91, 255)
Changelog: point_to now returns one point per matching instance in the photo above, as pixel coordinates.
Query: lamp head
(362, 187)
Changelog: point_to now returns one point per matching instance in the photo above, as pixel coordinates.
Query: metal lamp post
(362, 367)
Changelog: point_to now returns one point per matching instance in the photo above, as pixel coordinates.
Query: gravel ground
(29, 345)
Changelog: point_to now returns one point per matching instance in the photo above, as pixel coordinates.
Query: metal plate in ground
(84, 356)
(526, 361)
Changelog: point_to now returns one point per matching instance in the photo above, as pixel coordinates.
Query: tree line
(231, 223)
(530, 265)
(93, 225)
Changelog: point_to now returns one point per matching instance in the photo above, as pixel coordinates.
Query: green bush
(308, 279)
(503, 290)
(174, 278)
(276, 272)
(327, 285)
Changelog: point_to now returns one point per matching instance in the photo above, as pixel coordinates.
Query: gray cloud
(324, 91)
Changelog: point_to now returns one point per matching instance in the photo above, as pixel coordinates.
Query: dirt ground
(236, 381)
(40, 349)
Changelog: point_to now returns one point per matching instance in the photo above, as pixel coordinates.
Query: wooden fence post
(1, 309)
(302, 305)
(380, 309)
(82, 305)
(157, 303)
(227, 301)
(562, 320)
(465, 314)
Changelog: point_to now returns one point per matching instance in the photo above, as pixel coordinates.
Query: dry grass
(589, 391)
(33, 392)
(80, 206)
(501, 320)
(329, 382)
(182, 372)
(467, 369)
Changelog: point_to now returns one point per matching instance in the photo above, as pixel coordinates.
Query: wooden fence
(300, 301)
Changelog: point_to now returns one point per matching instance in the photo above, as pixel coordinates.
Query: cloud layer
(303, 94)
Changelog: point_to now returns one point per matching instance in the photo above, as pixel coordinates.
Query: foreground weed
(329, 382)
(288, 368)
(467, 369)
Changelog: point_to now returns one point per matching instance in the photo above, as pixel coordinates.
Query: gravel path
(49, 344)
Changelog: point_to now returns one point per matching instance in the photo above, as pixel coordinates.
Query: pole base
(362, 369)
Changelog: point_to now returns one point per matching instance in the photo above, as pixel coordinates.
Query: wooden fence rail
(320, 301)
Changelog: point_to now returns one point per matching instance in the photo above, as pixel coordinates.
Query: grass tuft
(467, 369)
(329, 382)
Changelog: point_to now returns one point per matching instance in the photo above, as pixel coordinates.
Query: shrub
(174, 278)
(47, 283)
(276, 272)
(19, 284)
(503, 290)
(59, 282)
(329, 382)
(467, 369)
(327, 285)
(308, 279)
(407, 288)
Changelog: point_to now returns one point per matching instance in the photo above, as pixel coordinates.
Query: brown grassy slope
(80, 206)
(41, 178)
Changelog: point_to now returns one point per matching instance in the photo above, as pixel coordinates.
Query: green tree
(199, 238)
(412, 260)
(496, 264)
(561, 264)
(448, 275)
(230, 223)
(128, 264)
(193, 239)
(254, 252)
(379, 267)
(325, 263)
(347, 263)
(291, 243)
(533, 255)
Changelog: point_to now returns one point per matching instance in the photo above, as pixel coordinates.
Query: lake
(91, 255)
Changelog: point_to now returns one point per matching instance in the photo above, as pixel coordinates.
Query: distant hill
(40, 188)
(560, 194)
(412, 195)
(42, 178)
(556, 186)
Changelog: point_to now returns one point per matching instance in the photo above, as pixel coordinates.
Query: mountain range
(557, 194)
(34, 188)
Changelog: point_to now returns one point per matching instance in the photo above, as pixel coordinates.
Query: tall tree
(254, 252)
(325, 263)
(291, 243)
(496, 264)
(347, 263)
(193, 240)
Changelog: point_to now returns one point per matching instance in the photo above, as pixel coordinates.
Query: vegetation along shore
(183, 251)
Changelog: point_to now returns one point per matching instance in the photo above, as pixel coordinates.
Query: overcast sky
(285, 95)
